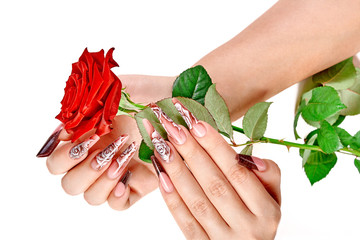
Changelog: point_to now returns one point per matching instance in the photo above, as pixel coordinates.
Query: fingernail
(159, 143)
(105, 156)
(122, 184)
(251, 162)
(82, 148)
(51, 143)
(192, 122)
(163, 177)
(172, 129)
(118, 166)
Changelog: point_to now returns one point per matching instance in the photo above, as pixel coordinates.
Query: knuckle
(199, 207)
(174, 205)
(91, 200)
(175, 172)
(189, 230)
(238, 174)
(68, 187)
(217, 188)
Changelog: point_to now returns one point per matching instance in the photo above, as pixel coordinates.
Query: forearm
(291, 41)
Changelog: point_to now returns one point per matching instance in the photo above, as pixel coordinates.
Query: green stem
(292, 144)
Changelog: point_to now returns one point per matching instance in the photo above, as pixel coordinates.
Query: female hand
(206, 186)
(109, 183)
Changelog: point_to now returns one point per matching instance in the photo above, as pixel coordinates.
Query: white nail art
(161, 146)
(79, 150)
(108, 153)
(125, 156)
(188, 117)
(160, 114)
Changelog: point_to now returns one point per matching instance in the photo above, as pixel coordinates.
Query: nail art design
(125, 179)
(172, 129)
(82, 148)
(108, 153)
(161, 146)
(188, 117)
(51, 143)
(246, 161)
(125, 157)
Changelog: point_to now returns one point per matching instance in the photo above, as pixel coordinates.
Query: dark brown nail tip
(246, 161)
(50, 143)
(158, 167)
(125, 179)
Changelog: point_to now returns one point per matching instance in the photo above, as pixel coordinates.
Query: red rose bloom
(92, 95)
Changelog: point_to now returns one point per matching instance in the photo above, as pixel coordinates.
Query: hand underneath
(206, 186)
(100, 185)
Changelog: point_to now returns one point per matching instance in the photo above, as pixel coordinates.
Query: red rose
(92, 95)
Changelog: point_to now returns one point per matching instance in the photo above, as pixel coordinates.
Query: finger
(142, 182)
(79, 178)
(271, 178)
(182, 215)
(99, 191)
(244, 181)
(186, 185)
(68, 154)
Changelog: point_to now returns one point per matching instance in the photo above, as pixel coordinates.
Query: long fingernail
(251, 162)
(82, 149)
(192, 122)
(122, 184)
(163, 177)
(172, 129)
(105, 156)
(51, 143)
(117, 167)
(159, 143)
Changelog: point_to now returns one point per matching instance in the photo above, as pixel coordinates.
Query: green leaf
(192, 83)
(318, 165)
(247, 150)
(345, 137)
(328, 139)
(220, 112)
(324, 102)
(145, 152)
(357, 164)
(338, 121)
(127, 104)
(355, 142)
(351, 97)
(340, 76)
(255, 120)
(297, 115)
(168, 107)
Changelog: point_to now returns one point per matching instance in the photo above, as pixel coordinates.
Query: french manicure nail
(159, 143)
(82, 148)
(105, 156)
(191, 121)
(172, 129)
(117, 167)
(163, 177)
(120, 188)
(51, 143)
(251, 162)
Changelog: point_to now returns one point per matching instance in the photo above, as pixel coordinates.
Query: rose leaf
(145, 152)
(344, 136)
(255, 120)
(219, 110)
(247, 150)
(355, 142)
(192, 83)
(318, 165)
(328, 139)
(340, 76)
(357, 164)
(324, 102)
(351, 97)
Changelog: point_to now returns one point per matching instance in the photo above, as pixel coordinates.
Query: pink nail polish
(118, 166)
(82, 149)
(159, 143)
(120, 188)
(105, 156)
(163, 177)
(172, 129)
(192, 122)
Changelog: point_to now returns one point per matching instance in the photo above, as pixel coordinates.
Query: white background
(38, 42)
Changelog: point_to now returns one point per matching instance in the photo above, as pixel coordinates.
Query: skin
(288, 43)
